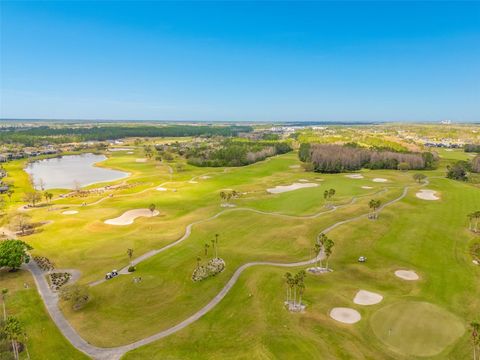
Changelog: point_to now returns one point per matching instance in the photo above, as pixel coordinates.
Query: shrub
(131, 268)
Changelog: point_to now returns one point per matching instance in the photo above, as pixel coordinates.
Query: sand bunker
(354, 176)
(345, 315)
(365, 297)
(295, 186)
(130, 152)
(408, 275)
(303, 180)
(119, 149)
(367, 187)
(379, 180)
(161, 189)
(140, 160)
(193, 182)
(427, 195)
(129, 216)
(205, 177)
(294, 166)
(70, 212)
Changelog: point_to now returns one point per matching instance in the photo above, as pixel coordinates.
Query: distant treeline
(235, 153)
(343, 158)
(472, 148)
(58, 135)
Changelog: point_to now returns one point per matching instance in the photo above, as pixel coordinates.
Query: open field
(429, 237)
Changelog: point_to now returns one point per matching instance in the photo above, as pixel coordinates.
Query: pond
(71, 172)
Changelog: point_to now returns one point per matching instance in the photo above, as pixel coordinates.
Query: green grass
(44, 339)
(429, 237)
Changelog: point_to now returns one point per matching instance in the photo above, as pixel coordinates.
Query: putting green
(416, 328)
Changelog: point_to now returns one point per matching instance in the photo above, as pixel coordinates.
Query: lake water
(68, 172)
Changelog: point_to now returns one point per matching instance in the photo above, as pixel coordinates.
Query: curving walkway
(51, 299)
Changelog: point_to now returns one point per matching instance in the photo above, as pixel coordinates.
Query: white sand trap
(161, 189)
(408, 275)
(205, 177)
(367, 187)
(381, 180)
(193, 182)
(228, 205)
(141, 160)
(70, 212)
(130, 152)
(449, 150)
(294, 166)
(365, 297)
(354, 176)
(425, 194)
(345, 315)
(119, 149)
(303, 180)
(285, 188)
(129, 216)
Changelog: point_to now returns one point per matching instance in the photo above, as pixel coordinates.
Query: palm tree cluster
(295, 285)
(227, 195)
(473, 218)
(326, 244)
(213, 266)
(374, 205)
(327, 194)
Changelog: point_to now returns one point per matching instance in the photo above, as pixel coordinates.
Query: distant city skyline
(241, 61)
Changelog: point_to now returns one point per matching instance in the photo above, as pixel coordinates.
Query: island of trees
(351, 157)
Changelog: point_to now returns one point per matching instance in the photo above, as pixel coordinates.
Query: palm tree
(317, 248)
(4, 297)
(9, 194)
(198, 261)
(374, 205)
(14, 330)
(222, 195)
(325, 194)
(152, 208)
(475, 325)
(216, 246)
(206, 249)
(299, 284)
(331, 193)
(327, 247)
(288, 280)
(320, 241)
(130, 255)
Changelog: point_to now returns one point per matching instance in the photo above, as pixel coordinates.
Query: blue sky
(264, 61)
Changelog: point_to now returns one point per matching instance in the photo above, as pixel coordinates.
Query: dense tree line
(235, 153)
(45, 134)
(351, 157)
(472, 148)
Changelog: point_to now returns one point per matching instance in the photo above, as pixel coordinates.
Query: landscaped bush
(213, 267)
(472, 148)
(57, 280)
(131, 268)
(234, 153)
(44, 263)
(351, 157)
